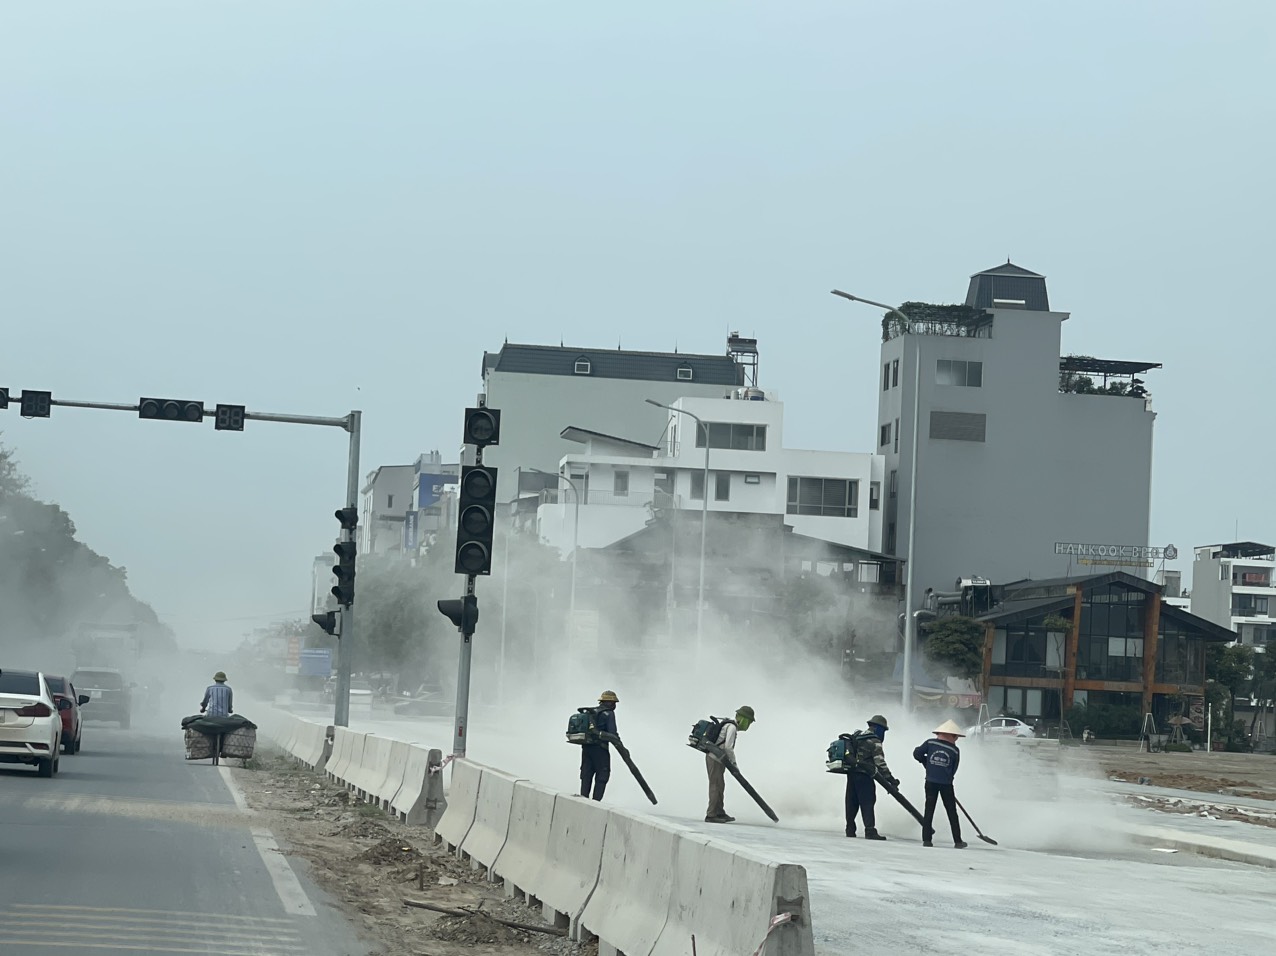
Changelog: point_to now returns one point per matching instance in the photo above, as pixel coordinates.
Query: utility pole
(475, 528)
(231, 418)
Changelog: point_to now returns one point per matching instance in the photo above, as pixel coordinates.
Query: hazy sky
(310, 207)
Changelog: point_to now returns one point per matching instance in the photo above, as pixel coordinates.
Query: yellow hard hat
(608, 696)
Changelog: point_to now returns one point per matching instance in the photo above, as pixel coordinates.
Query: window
(874, 496)
(959, 372)
(894, 484)
(582, 367)
(733, 435)
(1249, 605)
(886, 435)
(389, 502)
(886, 376)
(897, 436)
(895, 373)
(697, 486)
(890, 538)
(722, 486)
(620, 484)
(664, 483)
(753, 479)
(959, 426)
(826, 497)
(684, 374)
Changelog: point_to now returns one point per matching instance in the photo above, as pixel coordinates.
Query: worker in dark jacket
(940, 757)
(595, 757)
(869, 765)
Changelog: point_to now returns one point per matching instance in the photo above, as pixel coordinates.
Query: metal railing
(566, 496)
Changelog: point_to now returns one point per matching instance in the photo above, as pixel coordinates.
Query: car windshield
(57, 685)
(100, 680)
(18, 682)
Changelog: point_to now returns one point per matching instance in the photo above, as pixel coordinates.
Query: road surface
(132, 850)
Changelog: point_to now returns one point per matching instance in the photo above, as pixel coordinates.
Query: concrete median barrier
(462, 804)
(388, 786)
(569, 870)
(419, 800)
(727, 898)
(629, 906)
(372, 766)
(311, 745)
(486, 837)
(527, 845)
(347, 750)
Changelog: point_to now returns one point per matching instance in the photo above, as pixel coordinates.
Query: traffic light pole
(345, 646)
(232, 418)
(463, 680)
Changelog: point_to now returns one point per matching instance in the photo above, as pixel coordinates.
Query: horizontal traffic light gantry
(477, 521)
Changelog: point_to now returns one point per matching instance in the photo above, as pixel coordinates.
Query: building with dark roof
(543, 389)
(1104, 640)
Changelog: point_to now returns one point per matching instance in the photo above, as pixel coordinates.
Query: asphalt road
(131, 849)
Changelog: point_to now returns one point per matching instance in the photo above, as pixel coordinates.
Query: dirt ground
(371, 864)
(1234, 775)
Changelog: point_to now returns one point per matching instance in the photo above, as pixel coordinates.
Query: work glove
(890, 781)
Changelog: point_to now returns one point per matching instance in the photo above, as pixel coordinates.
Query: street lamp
(910, 619)
(704, 515)
(575, 536)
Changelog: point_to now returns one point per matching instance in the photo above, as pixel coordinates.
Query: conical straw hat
(948, 727)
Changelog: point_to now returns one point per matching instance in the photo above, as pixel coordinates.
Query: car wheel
(78, 744)
(44, 767)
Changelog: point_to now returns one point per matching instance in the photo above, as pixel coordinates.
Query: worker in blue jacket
(940, 757)
(595, 756)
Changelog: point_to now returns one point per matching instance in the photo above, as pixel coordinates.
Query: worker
(595, 757)
(870, 765)
(940, 757)
(725, 741)
(219, 699)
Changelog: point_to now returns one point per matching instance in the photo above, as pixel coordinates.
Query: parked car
(110, 695)
(68, 703)
(1001, 727)
(30, 728)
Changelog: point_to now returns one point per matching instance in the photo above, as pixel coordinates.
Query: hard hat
(220, 677)
(608, 696)
(747, 711)
(880, 721)
(949, 727)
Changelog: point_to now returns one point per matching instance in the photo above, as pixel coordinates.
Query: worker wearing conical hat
(940, 757)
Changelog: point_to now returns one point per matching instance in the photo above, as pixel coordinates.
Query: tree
(1231, 667)
(957, 643)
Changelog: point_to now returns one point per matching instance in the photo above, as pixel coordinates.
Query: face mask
(743, 723)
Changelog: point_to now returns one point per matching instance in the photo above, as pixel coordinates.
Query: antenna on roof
(560, 341)
(618, 343)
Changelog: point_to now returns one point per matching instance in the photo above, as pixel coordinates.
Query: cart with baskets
(211, 738)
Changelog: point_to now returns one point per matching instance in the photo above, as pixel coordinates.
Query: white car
(30, 725)
(1001, 727)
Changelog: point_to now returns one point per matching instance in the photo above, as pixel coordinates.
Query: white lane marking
(287, 886)
(130, 947)
(221, 917)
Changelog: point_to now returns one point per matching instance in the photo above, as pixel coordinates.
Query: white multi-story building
(1018, 448)
(387, 497)
(1233, 585)
(322, 581)
(541, 390)
(826, 496)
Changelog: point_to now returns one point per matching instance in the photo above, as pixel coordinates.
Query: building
(431, 506)
(541, 389)
(1172, 590)
(387, 496)
(1018, 448)
(1233, 586)
(1106, 639)
(322, 581)
(834, 497)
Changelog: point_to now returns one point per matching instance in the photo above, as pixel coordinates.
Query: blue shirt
(940, 759)
(605, 721)
(218, 701)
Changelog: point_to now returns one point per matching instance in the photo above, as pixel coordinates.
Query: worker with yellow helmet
(595, 756)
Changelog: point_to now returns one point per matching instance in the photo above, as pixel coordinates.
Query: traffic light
(477, 507)
(482, 426)
(327, 621)
(343, 591)
(170, 409)
(349, 517)
(36, 404)
(462, 612)
(229, 418)
(4, 398)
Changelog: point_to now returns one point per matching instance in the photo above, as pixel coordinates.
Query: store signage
(1116, 555)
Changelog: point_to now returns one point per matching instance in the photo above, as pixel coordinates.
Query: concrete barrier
(462, 804)
(527, 844)
(344, 754)
(727, 897)
(358, 743)
(388, 786)
(486, 837)
(629, 906)
(420, 800)
(569, 870)
(370, 770)
(310, 746)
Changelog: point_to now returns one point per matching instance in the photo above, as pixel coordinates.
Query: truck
(106, 645)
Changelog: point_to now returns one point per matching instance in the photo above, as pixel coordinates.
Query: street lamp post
(575, 537)
(704, 517)
(910, 619)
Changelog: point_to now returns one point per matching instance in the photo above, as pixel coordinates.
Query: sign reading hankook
(1117, 555)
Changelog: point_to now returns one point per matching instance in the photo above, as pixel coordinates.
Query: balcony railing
(566, 496)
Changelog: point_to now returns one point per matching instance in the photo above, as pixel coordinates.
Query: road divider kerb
(486, 837)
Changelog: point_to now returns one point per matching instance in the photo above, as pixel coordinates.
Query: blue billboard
(316, 662)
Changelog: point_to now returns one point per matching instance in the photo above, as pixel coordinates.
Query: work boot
(722, 819)
(851, 834)
(870, 833)
(927, 843)
(959, 845)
